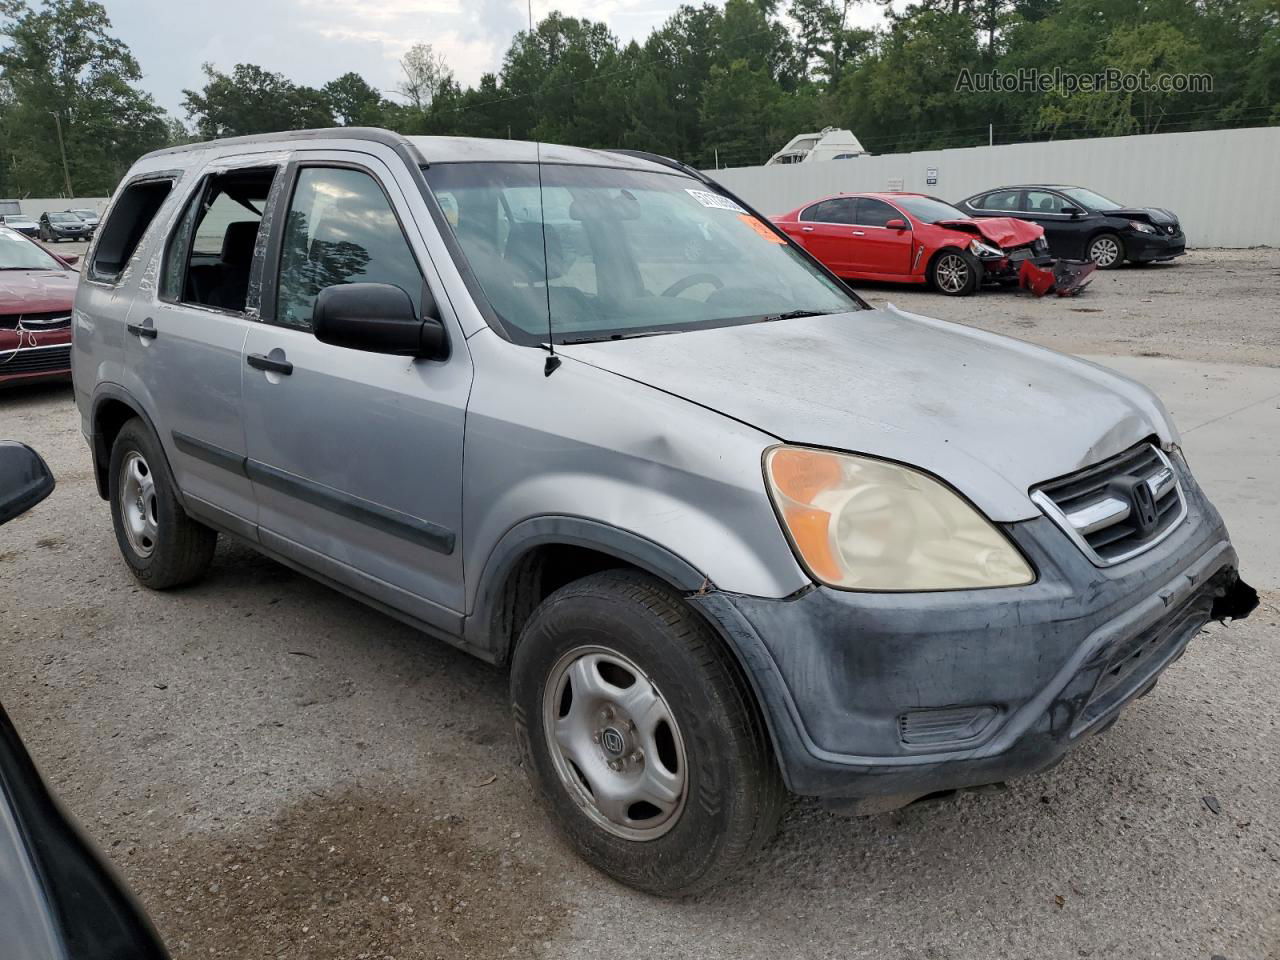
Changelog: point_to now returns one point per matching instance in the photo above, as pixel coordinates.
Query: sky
(313, 41)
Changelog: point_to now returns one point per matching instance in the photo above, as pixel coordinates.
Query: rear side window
(837, 210)
(212, 250)
(118, 238)
(1000, 200)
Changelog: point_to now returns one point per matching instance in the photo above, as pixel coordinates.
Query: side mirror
(1072, 211)
(25, 479)
(378, 318)
(895, 224)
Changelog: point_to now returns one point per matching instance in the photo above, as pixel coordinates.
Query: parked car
(732, 531)
(36, 292)
(90, 217)
(21, 223)
(59, 900)
(1082, 224)
(912, 238)
(62, 226)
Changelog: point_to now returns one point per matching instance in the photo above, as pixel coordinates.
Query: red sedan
(913, 238)
(36, 292)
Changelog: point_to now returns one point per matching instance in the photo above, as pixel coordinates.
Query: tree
(353, 102)
(426, 74)
(61, 67)
(253, 100)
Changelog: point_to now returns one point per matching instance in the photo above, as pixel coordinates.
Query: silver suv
(733, 532)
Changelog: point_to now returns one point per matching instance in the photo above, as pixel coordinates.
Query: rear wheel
(1106, 250)
(956, 273)
(161, 544)
(640, 736)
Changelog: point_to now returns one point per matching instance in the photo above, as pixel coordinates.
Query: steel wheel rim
(1105, 251)
(613, 746)
(138, 509)
(952, 273)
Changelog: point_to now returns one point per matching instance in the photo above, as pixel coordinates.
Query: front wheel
(1106, 250)
(640, 735)
(956, 273)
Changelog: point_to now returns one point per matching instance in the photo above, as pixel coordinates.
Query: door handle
(142, 330)
(260, 362)
(859, 233)
(806, 229)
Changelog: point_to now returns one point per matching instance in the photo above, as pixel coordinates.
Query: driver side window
(340, 228)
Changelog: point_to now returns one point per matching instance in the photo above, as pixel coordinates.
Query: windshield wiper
(618, 336)
(793, 315)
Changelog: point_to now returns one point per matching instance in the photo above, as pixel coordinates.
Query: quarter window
(130, 216)
(340, 229)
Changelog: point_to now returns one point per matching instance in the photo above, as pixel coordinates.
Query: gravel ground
(279, 772)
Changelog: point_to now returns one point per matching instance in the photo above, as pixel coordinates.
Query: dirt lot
(280, 772)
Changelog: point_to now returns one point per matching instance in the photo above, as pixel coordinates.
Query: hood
(990, 415)
(37, 291)
(1155, 215)
(1004, 232)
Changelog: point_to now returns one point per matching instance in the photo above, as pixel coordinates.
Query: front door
(879, 249)
(356, 457)
(1063, 231)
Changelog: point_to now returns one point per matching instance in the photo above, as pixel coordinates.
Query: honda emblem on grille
(1142, 503)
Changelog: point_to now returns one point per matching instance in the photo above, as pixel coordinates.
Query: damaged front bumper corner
(1066, 278)
(876, 699)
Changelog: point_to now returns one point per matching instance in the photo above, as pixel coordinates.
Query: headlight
(1041, 246)
(980, 249)
(1141, 227)
(865, 524)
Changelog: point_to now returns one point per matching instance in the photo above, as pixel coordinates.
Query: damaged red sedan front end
(36, 292)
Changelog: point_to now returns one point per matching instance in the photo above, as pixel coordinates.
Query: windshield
(626, 252)
(63, 218)
(929, 209)
(19, 253)
(1094, 201)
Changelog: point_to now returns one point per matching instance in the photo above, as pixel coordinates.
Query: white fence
(34, 206)
(1222, 184)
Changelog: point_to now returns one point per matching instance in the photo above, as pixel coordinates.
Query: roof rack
(372, 134)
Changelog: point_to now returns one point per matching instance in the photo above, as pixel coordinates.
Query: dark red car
(36, 292)
(913, 238)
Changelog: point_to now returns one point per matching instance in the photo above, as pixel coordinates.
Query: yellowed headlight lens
(866, 524)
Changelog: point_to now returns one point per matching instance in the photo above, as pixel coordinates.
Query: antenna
(553, 362)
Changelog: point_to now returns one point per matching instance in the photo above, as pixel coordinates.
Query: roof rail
(372, 134)
(664, 161)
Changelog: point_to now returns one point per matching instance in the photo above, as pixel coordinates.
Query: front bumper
(875, 695)
(1145, 247)
(22, 362)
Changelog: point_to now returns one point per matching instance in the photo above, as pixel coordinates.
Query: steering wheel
(683, 284)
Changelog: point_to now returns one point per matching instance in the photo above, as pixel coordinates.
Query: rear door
(826, 231)
(356, 457)
(186, 329)
(876, 248)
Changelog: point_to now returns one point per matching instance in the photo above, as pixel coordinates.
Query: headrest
(238, 242)
(524, 250)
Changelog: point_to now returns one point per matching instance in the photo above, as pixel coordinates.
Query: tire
(955, 272)
(162, 545)
(1106, 250)
(689, 708)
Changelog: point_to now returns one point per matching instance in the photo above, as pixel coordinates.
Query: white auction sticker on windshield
(714, 200)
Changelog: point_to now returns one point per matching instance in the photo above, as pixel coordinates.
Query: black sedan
(63, 226)
(1083, 225)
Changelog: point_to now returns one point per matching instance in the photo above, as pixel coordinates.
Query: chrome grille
(35, 321)
(1103, 510)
